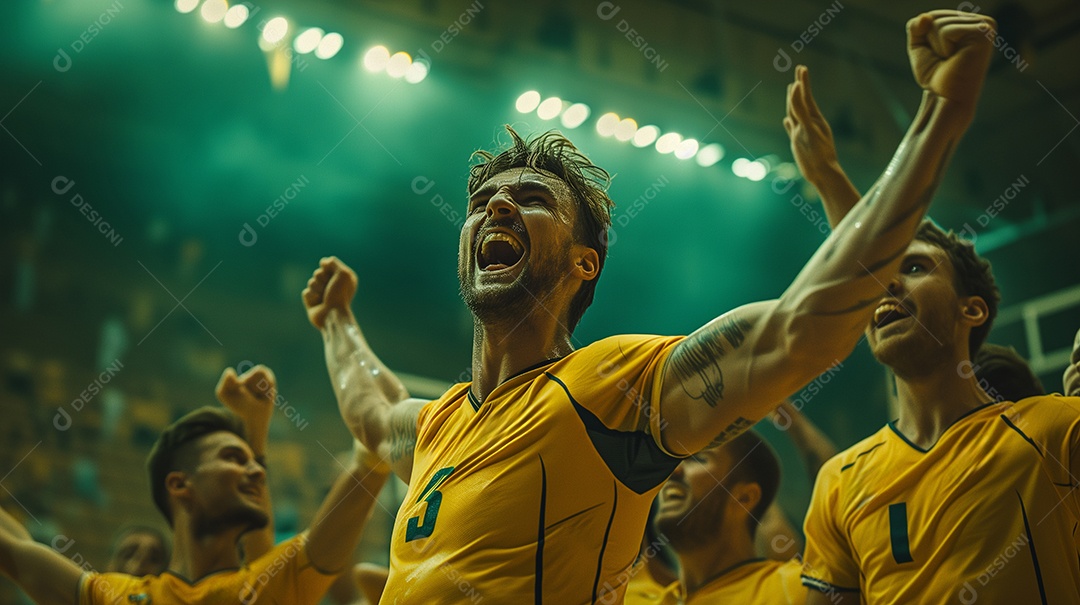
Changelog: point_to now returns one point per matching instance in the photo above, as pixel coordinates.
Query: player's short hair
(553, 153)
(974, 276)
(1004, 374)
(755, 462)
(175, 449)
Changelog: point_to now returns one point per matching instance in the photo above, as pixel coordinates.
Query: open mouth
(673, 492)
(499, 250)
(889, 312)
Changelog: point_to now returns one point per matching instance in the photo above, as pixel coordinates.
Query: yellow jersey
(283, 575)
(541, 492)
(989, 513)
(754, 582)
(642, 588)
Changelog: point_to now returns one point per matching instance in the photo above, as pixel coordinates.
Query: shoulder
(1044, 418)
(425, 409)
(629, 344)
(610, 354)
(864, 452)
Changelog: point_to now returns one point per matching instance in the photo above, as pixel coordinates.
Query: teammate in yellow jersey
(208, 484)
(963, 498)
(711, 509)
(532, 483)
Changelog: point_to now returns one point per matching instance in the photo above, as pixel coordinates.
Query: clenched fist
(949, 52)
(332, 286)
(250, 395)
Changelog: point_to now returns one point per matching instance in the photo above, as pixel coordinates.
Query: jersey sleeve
(618, 380)
(1052, 423)
(300, 581)
(829, 564)
(104, 588)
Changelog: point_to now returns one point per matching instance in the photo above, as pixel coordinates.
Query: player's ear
(974, 310)
(748, 495)
(177, 484)
(586, 262)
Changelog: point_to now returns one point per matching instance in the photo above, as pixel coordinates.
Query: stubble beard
(511, 303)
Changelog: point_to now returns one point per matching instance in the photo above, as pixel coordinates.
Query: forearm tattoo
(402, 437)
(732, 431)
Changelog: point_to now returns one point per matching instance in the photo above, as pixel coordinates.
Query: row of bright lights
(311, 40)
(397, 65)
(623, 129)
(627, 129)
(216, 10)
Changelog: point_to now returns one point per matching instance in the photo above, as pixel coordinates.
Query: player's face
(919, 320)
(515, 244)
(229, 486)
(139, 554)
(693, 502)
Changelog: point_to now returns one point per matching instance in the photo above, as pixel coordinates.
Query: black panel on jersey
(538, 586)
(603, 547)
(632, 456)
(1031, 547)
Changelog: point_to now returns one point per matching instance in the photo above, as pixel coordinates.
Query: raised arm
(47, 576)
(813, 445)
(814, 150)
(337, 526)
(731, 372)
(373, 402)
(777, 538)
(1071, 378)
(251, 397)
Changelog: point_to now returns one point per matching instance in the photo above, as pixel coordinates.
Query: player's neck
(195, 557)
(501, 352)
(708, 563)
(928, 405)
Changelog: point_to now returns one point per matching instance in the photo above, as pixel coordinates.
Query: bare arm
(1071, 379)
(814, 150)
(251, 397)
(776, 537)
(731, 372)
(373, 403)
(47, 576)
(340, 520)
(371, 580)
